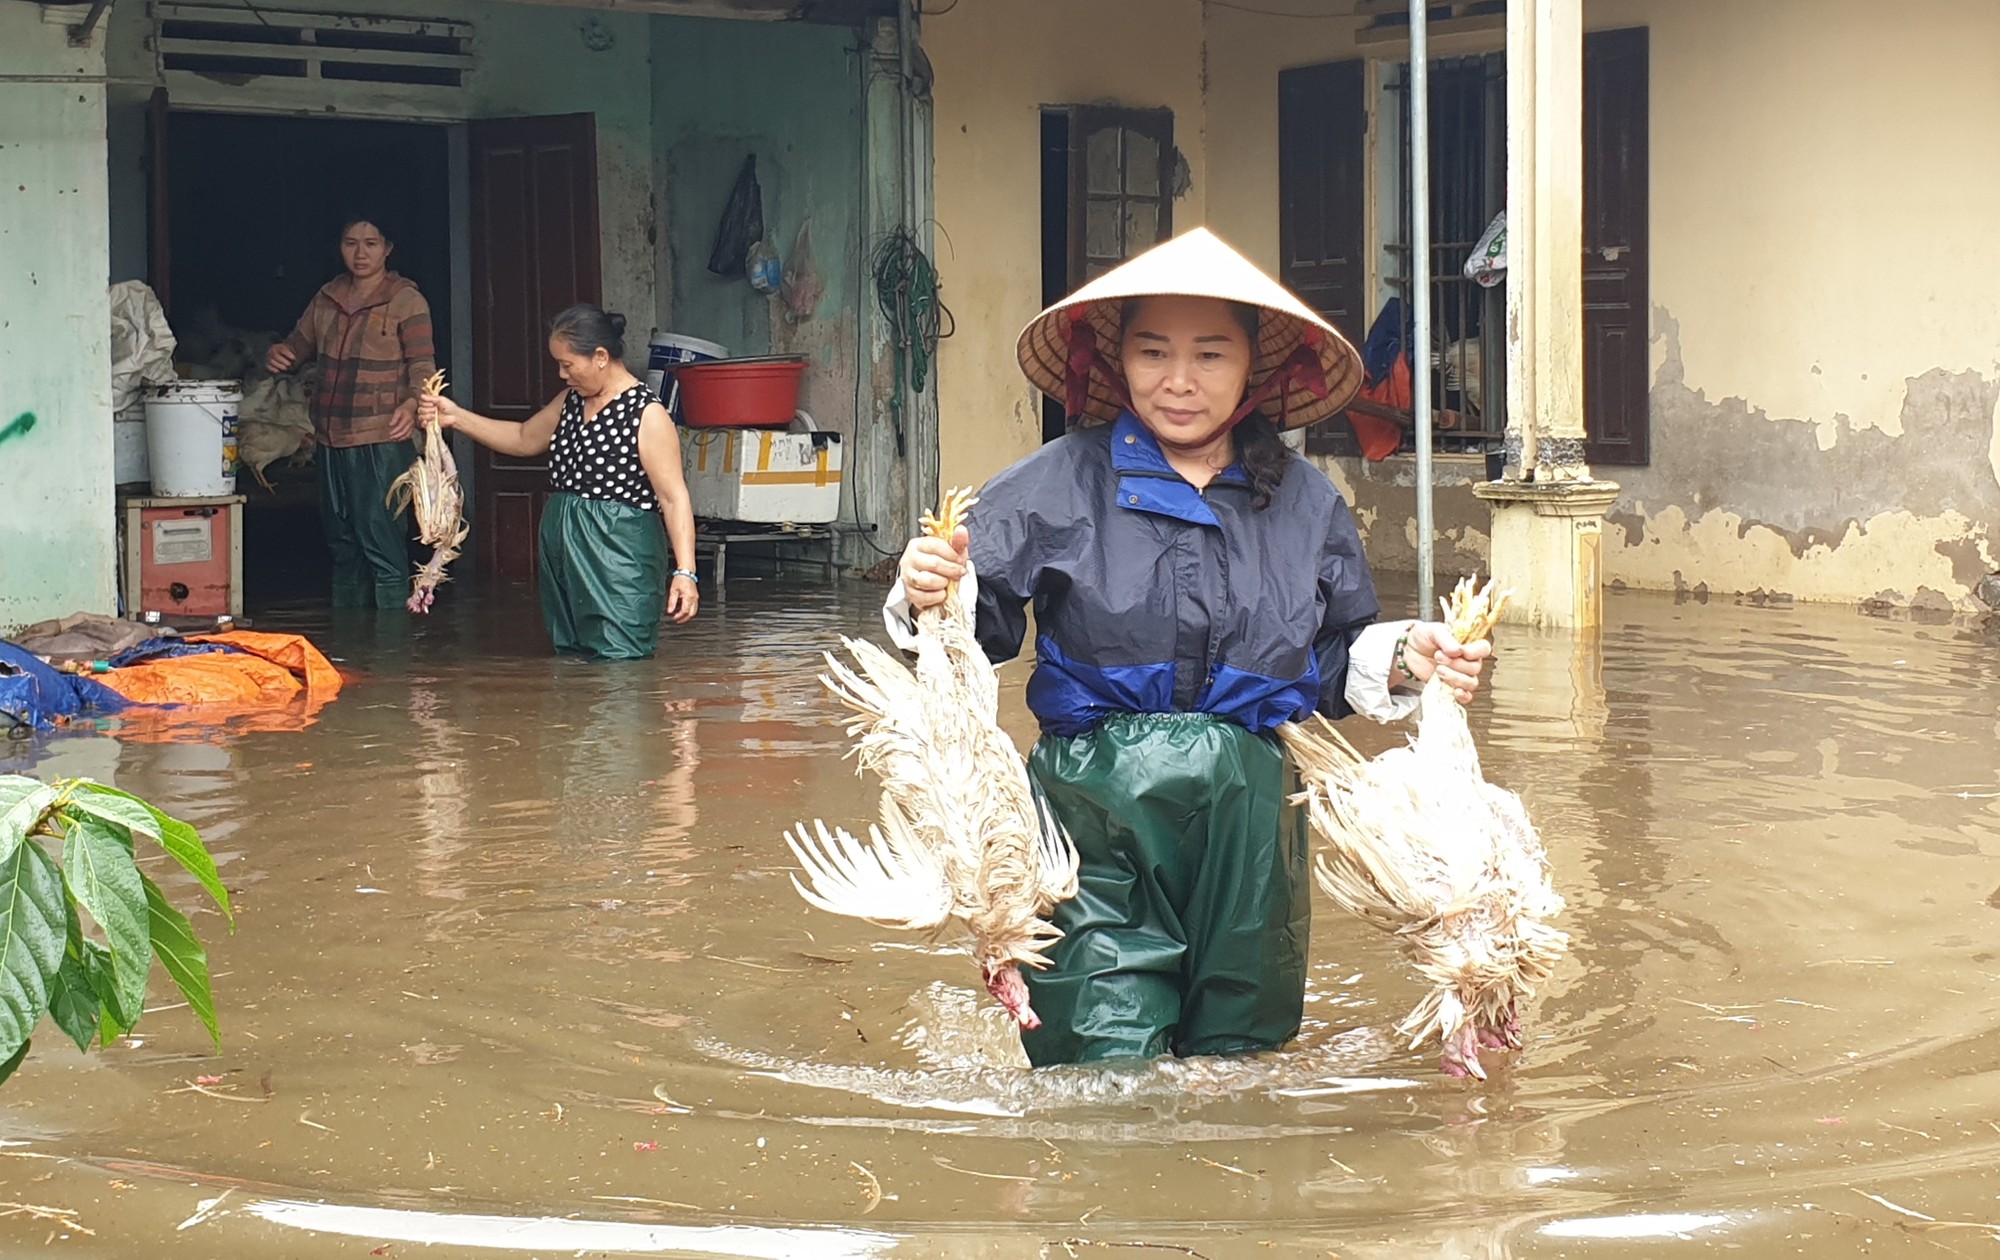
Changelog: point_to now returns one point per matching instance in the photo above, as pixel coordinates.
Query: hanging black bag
(742, 223)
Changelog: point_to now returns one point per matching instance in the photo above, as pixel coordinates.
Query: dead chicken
(430, 489)
(964, 836)
(1420, 845)
(274, 422)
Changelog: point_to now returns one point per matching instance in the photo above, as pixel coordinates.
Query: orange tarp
(278, 681)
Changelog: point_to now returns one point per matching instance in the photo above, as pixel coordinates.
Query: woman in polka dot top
(620, 496)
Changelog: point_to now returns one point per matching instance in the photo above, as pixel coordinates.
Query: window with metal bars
(1468, 138)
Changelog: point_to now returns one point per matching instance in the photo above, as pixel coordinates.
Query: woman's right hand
(930, 568)
(439, 408)
(280, 360)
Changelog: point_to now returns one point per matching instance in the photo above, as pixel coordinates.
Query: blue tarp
(165, 649)
(34, 694)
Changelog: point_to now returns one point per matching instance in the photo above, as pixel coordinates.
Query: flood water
(519, 970)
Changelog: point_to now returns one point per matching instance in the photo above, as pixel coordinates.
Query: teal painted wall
(57, 548)
(792, 95)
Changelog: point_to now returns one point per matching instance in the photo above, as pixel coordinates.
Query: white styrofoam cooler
(768, 476)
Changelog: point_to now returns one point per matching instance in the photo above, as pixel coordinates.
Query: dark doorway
(252, 212)
(1109, 179)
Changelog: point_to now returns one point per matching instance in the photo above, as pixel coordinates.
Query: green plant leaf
(182, 955)
(111, 1023)
(22, 802)
(73, 1001)
(182, 843)
(128, 811)
(33, 918)
(98, 868)
(7, 1068)
(74, 1004)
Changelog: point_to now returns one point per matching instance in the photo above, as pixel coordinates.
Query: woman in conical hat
(1195, 585)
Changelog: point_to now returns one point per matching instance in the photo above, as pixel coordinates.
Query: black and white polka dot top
(599, 458)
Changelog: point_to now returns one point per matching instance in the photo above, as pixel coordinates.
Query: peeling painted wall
(1824, 358)
(57, 551)
(1738, 499)
(1383, 497)
(1824, 365)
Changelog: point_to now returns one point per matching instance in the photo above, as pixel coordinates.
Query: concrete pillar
(1548, 548)
(1548, 512)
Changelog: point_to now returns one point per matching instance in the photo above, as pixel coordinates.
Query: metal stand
(717, 537)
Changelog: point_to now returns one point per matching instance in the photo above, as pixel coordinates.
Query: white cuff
(1370, 658)
(898, 620)
(901, 623)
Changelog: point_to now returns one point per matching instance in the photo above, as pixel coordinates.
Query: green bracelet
(1403, 666)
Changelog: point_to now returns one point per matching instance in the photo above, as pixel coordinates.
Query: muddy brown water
(519, 971)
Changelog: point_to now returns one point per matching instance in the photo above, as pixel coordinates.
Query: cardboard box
(768, 476)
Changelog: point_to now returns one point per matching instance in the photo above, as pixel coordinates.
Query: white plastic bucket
(128, 447)
(668, 351)
(191, 437)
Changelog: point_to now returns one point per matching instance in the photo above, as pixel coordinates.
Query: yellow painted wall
(997, 63)
(1824, 311)
(1825, 370)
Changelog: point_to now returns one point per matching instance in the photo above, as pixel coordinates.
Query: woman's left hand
(1430, 649)
(683, 599)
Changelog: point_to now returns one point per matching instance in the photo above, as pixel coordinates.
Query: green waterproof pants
(1188, 931)
(603, 576)
(370, 545)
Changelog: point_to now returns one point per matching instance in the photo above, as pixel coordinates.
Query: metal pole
(1420, 289)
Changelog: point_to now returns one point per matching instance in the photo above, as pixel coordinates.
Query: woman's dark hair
(586, 329)
(372, 220)
(1263, 454)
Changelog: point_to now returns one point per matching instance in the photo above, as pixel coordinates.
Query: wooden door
(534, 252)
(1322, 207)
(1121, 195)
(1616, 309)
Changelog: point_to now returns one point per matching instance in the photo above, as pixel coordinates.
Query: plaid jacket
(372, 356)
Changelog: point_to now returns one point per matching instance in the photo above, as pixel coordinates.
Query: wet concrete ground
(519, 970)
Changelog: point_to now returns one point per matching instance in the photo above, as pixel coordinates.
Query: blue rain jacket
(1153, 597)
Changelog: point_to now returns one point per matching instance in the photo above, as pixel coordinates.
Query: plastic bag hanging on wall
(742, 223)
(801, 285)
(1487, 264)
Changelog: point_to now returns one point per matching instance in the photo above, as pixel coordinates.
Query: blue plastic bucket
(668, 351)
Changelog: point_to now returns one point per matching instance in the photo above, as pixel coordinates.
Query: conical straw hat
(1070, 351)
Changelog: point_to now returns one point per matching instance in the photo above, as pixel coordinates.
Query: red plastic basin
(760, 393)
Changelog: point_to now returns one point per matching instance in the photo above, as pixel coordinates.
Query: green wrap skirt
(603, 577)
(1188, 932)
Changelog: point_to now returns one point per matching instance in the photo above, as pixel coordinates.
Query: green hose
(906, 288)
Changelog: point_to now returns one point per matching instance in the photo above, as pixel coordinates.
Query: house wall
(57, 551)
(1823, 377)
(998, 62)
(792, 95)
(1824, 366)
